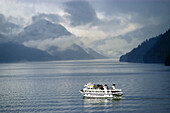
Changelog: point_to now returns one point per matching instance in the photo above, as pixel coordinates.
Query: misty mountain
(74, 52)
(43, 30)
(40, 30)
(13, 52)
(154, 50)
(95, 54)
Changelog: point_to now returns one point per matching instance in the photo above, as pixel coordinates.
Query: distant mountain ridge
(153, 50)
(75, 52)
(41, 30)
(15, 51)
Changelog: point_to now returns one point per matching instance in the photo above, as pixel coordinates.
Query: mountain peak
(42, 29)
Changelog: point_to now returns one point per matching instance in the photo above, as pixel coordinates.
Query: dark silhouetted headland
(154, 50)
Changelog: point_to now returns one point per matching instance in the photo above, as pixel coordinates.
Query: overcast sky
(112, 27)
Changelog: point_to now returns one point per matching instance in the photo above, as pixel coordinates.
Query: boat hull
(101, 95)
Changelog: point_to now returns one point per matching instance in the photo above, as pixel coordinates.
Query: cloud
(109, 26)
(81, 12)
(118, 25)
(51, 17)
(62, 43)
(21, 11)
(114, 47)
(124, 25)
(112, 26)
(142, 12)
(8, 28)
(59, 18)
(14, 9)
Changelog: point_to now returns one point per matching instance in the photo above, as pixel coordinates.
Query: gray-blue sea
(53, 87)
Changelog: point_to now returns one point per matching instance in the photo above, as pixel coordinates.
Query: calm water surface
(54, 87)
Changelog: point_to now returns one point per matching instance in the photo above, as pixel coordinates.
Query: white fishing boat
(100, 91)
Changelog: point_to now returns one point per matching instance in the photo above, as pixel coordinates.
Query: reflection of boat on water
(103, 101)
(100, 91)
(97, 101)
(100, 105)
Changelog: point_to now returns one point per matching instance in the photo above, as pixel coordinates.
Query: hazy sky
(112, 27)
